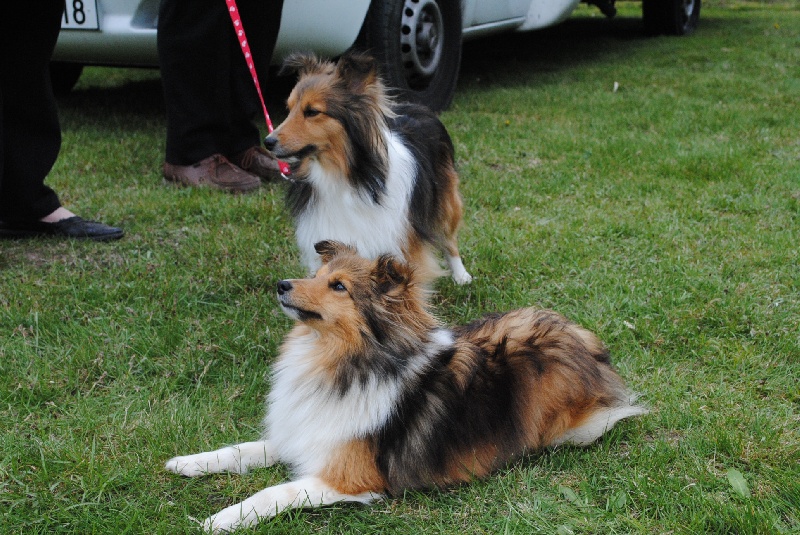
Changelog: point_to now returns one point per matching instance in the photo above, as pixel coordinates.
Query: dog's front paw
(229, 519)
(193, 465)
(237, 459)
(462, 278)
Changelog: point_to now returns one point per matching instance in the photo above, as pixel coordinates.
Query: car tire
(671, 17)
(64, 76)
(418, 45)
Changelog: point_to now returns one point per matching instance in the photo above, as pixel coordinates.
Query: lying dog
(376, 175)
(372, 396)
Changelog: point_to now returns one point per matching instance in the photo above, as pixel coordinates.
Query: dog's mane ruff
(335, 210)
(397, 326)
(359, 102)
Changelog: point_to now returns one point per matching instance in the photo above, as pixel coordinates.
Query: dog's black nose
(284, 286)
(270, 142)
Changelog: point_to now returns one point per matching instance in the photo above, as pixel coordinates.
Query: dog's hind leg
(451, 218)
(448, 245)
(308, 492)
(458, 271)
(238, 459)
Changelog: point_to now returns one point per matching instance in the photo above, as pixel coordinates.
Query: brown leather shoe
(257, 161)
(215, 172)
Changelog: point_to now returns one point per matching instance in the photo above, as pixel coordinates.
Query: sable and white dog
(367, 172)
(371, 395)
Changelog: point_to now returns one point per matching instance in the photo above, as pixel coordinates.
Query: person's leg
(194, 59)
(194, 55)
(30, 132)
(29, 128)
(261, 20)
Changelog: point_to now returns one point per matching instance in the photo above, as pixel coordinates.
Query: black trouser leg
(29, 128)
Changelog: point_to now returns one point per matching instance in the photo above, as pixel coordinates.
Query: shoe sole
(211, 185)
(31, 234)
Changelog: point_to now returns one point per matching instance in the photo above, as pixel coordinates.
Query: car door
(479, 12)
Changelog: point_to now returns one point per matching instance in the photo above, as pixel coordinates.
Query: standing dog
(376, 175)
(371, 395)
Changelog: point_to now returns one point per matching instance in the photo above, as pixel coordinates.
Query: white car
(418, 42)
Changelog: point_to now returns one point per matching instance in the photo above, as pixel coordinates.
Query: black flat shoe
(73, 227)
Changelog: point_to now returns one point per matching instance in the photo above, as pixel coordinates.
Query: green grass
(664, 215)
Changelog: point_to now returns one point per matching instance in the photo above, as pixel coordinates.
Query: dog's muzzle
(294, 159)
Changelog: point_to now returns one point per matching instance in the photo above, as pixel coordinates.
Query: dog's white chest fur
(339, 212)
(308, 417)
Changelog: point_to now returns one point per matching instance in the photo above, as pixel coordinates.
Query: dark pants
(29, 129)
(210, 97)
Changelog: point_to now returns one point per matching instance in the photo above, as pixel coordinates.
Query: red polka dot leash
(242, 37)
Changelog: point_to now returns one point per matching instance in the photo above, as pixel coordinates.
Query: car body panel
(127, 34)
(543, 13)
(483, 12)
(328, 27)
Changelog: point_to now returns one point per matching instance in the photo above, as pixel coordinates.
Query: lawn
(648, 188)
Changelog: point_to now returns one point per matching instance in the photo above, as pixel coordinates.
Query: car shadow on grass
(514, 59)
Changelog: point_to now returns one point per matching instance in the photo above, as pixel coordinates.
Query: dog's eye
(337, 286)
(310, 112)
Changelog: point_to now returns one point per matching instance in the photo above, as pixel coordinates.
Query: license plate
(80, 15)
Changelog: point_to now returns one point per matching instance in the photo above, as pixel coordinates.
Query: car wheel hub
(421, 38)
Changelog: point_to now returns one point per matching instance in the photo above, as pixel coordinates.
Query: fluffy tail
(599, 422)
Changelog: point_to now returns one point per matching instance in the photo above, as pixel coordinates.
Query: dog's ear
(358, 70)
(327, 249)
(389, 273)
(303, 63)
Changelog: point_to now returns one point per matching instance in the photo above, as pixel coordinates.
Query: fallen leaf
(738, 482)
